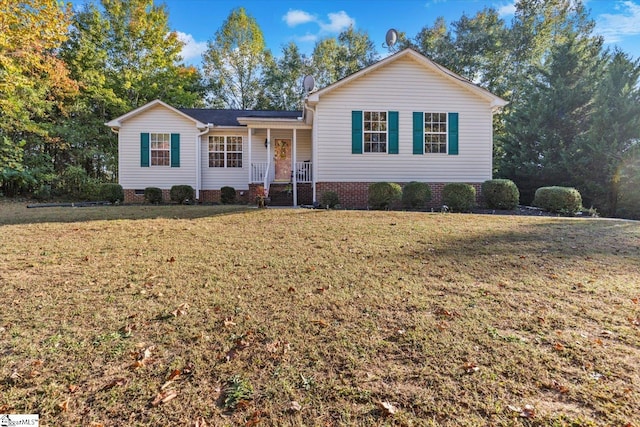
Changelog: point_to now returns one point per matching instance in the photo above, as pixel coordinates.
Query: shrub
(329, 199)
(111, 192)
(75, 182)
(415, 195)
(459, 197)
(153, 195)
(383, 194)
(181, 194)
(563, 200)
(227, 195)
(500, 194)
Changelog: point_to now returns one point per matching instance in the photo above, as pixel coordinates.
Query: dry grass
(181, 316)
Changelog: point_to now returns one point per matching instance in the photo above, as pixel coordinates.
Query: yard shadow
(555, 238)
(17, 214)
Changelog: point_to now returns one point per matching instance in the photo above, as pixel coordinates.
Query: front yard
(195, 315)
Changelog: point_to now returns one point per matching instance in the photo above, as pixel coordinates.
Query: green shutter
(393, 132)
(356, 132)
(418, 133)
(175, 150)
(453, 133)
(144, 150)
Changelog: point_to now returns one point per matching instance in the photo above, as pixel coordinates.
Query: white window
(435, 133)
(375, 131)
(225, 151)
(160, 149)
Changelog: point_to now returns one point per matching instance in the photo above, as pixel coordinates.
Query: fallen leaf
(470, 367)
(295, 406)
(228, 322)
(291, 289)
(634, 300)
(320, 323)
(64, 405)
(255, 419)
(387, 408)
(73, 388)
(174, 374)
(164, 397)
(558, 346)
(200, 422)
(115, 382)
(172, 259)
(181, 310)
(597, 341)
(528, 412)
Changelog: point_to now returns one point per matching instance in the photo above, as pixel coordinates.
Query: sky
(307, 21)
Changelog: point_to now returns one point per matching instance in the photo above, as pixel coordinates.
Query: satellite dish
(308, 83)
(391, 38)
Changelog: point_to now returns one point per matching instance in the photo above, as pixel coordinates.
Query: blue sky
(307, 21)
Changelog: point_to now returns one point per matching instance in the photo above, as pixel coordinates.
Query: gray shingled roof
(230, 117)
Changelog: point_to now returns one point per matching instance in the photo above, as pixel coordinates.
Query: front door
(282, 155)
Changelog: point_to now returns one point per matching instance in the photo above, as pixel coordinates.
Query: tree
(613, 139)
(436, 43)
(282, 79)
(233, 62)
(124, 55)
(325, 62)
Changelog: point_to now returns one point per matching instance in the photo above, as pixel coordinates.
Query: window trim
(167, 150)
(225, 151)
(425, 133)
(385, 132)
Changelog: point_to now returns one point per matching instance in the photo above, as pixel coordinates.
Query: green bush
(415, 195)
(181, 194)
(227, 195)
(563, 200)
(500, 194)
(383, 195)
(75, 182)
(153, 195)
(459, 197)
(111, 192)
(329, 199)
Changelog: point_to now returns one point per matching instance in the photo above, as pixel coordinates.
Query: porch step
(280, 194)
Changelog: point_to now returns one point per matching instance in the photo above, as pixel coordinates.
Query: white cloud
(614, 26)
(508, 9)
(338, 22)
(192, 49)
(297, 17)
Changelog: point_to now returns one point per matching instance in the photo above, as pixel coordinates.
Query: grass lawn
(196, 315)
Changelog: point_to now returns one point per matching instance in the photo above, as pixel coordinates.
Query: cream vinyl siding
(216, 178)
(404, 86)
(156, 120)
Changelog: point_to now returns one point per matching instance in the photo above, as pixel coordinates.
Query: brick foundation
(130, 196)
(354, 195)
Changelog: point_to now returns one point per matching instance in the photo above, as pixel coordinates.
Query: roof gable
(117, 122)
(495, 101)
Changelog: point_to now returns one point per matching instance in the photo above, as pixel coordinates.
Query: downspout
(266, 173)
(314, 152)
(117, 132)
(199, 159)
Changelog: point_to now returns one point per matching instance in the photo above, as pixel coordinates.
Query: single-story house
(404, 118)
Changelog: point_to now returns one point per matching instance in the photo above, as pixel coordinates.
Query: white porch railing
(259, 171)
(303, 171)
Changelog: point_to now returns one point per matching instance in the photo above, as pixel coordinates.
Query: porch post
(293, 168)
(249, 141)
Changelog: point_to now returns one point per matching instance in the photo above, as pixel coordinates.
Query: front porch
(281, 160)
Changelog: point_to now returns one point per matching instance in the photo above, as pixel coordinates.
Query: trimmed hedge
(111, 192)
(227, 195)
(459, 197)
(181, 194)
(565, 200)
(415, 195)
(384, 194)
(153, 195)
(329, 199)
(500, 194)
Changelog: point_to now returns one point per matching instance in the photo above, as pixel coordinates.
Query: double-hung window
(435, 133)
(375, 131)
(160, 149)
(225, 151)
